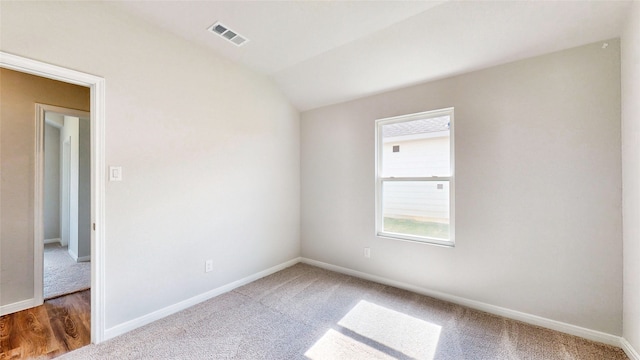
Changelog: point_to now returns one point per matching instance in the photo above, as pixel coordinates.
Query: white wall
(538, 187)
(51, 182)
(631, 174)
(209, 151)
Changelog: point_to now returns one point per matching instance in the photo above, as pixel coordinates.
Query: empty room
(320, 179)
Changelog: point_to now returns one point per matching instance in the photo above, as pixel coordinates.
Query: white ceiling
(324, 52)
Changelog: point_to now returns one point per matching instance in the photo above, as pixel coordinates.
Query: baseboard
(51, 241)
(492, 309)
(84, 258)
(73, 255)
(77, 258)
(172, 309)
(17, 306)
(629, 350)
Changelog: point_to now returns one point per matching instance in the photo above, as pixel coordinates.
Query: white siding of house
(418, 200)
(417, 157)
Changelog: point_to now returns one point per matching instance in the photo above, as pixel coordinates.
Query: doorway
(97, 120)
(67, 200)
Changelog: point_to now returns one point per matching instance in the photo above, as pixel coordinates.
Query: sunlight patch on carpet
(334, 345)
(371, 331)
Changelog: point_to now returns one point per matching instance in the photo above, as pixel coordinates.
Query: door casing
(98, 171)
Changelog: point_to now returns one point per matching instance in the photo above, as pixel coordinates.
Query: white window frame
(380, 180)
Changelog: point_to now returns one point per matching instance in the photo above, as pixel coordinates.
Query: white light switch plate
(115, 173)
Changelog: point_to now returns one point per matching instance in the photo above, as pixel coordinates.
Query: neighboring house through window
(414, 177)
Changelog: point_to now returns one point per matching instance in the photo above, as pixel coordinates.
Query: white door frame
(97, 86)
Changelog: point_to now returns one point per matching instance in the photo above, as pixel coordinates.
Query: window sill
(425, 241)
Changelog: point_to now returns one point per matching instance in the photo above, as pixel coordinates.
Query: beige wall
(18, 94)
(209, 151)
(631, 174)
(538, 187)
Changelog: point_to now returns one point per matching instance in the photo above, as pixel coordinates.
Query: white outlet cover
(208, 266)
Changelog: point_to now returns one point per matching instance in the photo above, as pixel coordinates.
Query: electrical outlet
(208, 266)
(367, 253)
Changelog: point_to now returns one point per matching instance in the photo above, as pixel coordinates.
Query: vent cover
(224, 32)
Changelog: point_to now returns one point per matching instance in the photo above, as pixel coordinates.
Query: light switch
(115, 173)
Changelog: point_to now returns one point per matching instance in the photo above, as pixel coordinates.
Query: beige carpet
(62, 275)
(304, 312)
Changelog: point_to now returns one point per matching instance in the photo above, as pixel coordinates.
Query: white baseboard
(497, 310)
(172, 309)
(51, 241)
(629, 350)
(77, 258)
(17, 306)
(492, 309)
(73, 255)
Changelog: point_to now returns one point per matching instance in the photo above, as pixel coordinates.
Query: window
(415, 187)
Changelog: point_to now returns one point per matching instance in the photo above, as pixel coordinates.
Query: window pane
(418, 208)
(416, 148)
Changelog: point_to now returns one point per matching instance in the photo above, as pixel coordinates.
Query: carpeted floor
(62, 275)
(304, 312)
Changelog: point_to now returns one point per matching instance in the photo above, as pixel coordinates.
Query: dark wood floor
(58, 326)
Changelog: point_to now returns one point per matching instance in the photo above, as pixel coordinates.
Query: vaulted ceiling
(324, 52)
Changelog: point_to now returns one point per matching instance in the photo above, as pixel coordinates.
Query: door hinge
(94, 226)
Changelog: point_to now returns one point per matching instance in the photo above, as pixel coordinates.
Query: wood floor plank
(60, 325)
(10, 340)
(13, 354)
(79, 304)
(64, 327)
(6, 327)
(68, 322)
(35, 332)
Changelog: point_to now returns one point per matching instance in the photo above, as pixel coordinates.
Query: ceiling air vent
(228, 34)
